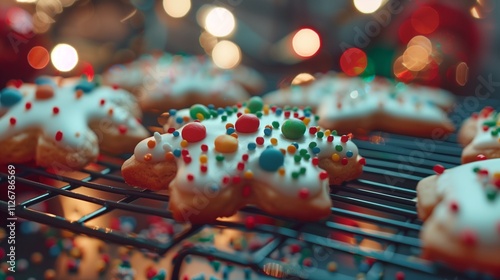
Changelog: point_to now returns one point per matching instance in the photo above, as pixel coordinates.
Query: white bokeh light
(226, 54)
(64, 57)
(176, 8)
(220, 22)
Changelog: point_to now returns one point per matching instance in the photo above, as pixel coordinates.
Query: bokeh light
(64, 57)
(19, 20)
(415, 58)
(353, 61)
(207, 41)
(367, 6)
(220, 22)
(302, 79)
(226, 54)
(462, 73)
(306, 42)
(38, 57)
(401, 72)
(176, 8)
(425, 20)
(421, 41)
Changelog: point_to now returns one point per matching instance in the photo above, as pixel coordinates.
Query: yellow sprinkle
(203, 158)
(147, 157)
(335, 157)
(228, 125)
(184, 143)
(265, 109)
(169, 156)
(200, 116)
(306, 121)
(246, 110)
(291, 149)
(281, 171)
(274, 141)
(327, 132)
(248, 174)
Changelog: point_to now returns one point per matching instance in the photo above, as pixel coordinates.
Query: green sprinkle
(303, 152)
(338, 148)
(491, 194)
(312, 145)
(335, 133)
(476, 169)
(295, 174)
(219, 157)
(303, 170)
(320, 134)
(306, 156)
(259, 114)
(224, 118)
(295, 109)
(297, 158)
(276, 124)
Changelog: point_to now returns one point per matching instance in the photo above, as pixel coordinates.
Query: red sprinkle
(287, 114)
(187, 159)
(259, 140)
(122, 129)
(203, 168)
(362, 161)
(329, 138)
(344, 138)
(294, 248)
(483, 172)
(307, 262)
(315, 161)
(102, 102)
(468, 237)
(486, 128)
(481, 157)
(185, 152)
(323, 175)
(59, 136)
(170, 130)
(151, 272)
(15, 83)
(454, 206)
(344, 161)
(250, 222)
(204, 147)
(27, 105)
(12, 121)
(313, 130)
(303, 193)
(115, 87)
(295, 114)
(239, 114)
(438, 168)
(225, 180)
(190, 177)
(244, 157)
(497, 183)
(241, 166)
(55, 110)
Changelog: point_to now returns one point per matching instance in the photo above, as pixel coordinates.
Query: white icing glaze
(285, 185)
(483, 138)
(74, 114)
(475, 211)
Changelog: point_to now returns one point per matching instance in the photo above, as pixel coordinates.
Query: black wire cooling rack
(379, 208)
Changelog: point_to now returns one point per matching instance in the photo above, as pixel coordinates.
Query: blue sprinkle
(307, 114)
(175, 133)
(177, 153)
(267, 131)
(296, 145)
(179, 120)
(220, 111)
(349, 154)
(230, 131)
(316, 150)
(214, 188)
(172, 112)
(252, 146)
(10, 96)
(279, 111)
(225, 273)
(44, 80)
(211, 106)
(85, 86)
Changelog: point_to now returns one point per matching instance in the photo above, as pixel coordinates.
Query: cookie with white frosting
(480, 134)
(461, 212)
(66, 126)
(222, 159)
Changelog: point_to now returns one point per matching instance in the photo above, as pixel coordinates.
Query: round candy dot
(12, 121)
(291, 149)
(267, 131)
(338, 148)
(198, 110)
(203, 158)
(468, 237)
(59, 136)
(219, 157)
(276, 124)
(335, 157)
(9, 97)
(344, 138)
(439, 169)
(255, 104)
(316, 150)
(230, 131)
(226, 144)
(349, 154)
(259, 140)
(293, 129)
(247, 123)
(85, 86)
(175, 133)
(271, 160)
(177, 152)
(297, 158)
(295, 175)
(332, 266)
(251, 146)
(194, 132)
(281, 171)
(323, 175)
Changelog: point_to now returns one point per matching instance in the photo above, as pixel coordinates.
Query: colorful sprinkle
(439, 169)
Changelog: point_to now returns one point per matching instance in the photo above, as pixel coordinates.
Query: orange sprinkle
(169, 156)
(235, 135)
(269, 126)
(184, 143)
(283, 151)
(151, 144)
(265, 109)
(248, 174)
(185, 118)
(281, 171)
(148, 157)
(203, 158)
(306, 121)
(246, 110)
(78, 94)
(110, 111)
(335, 157)
(228, 125)
(274, 141)
(496, 175)
(291, 149)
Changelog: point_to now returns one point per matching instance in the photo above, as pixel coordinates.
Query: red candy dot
(259, 140)
(27, 105)
(250, 222)
(239, 114)
(323, 175)
(55, 110)
(313, 130)
(194, 132)
(187, 159)
(330, 138)
(468, 237)
(204, 147)
(480, 157)
(122, 129)
(102, 102)
(226, 179)
(315, 161)
(247, 123)
(236, 179)
(184, 152)
(12, 121)
(454, 206)
(115, 87)
(170, 130)
(294, 248)
(362, 161)
(497, 183)
(244, 157)
(190, 177)
(287, 114)
(304, 193)
(486, 128)
(438, 168)
(483, 172)
(344, 138)
(344, 161)
(151, 272)
(296, 115)
(241, 166)
(203, 168)
(59, 136)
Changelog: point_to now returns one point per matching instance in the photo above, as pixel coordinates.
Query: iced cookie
(252, 154)
(480, 134)
(461, 212)
(396, 112)
(65, 126)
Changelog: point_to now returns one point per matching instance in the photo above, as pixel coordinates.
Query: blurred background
(441, 43)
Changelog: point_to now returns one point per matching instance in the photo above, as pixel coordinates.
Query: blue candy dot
(177, 152)
(316, 150)
(349, 154)
(179, 120)
(271, 160)
(278, 112)
(307, 114)
(10, 96)
(211, 106)
(252, 146)
(172, 112)
(44, 80)
(230, 131)
(267, 131)
(85, 86)
(296, 145)
(187, 259)
(220, 111)
(175, 133)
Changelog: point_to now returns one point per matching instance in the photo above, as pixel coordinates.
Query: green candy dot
(199, 109)
(320, 134)
(489, 123)
(229, 112)
(295, 174)
(297, 158)
(303, 152)
(255, 104)
(476, 169)
(335, 133)
(295, 109)
(214, 113)
(286, 107)
(312, 145)
(494, 132)
(491, 194)
(276, 124)
(306, 156)
(316, 117)
(223, 118)
(259, 114)
(303, 170)
(338, 148)
(293, 129)
(219, 157)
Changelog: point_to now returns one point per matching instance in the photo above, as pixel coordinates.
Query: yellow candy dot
(200, 116)
(332, 266)
(184, 143)
(265, 109)
(335, 157)
(246, 110)
(248, 174)
(281, 171)
(229, 125)
(327, 132)
(291, 149)
(306, 121)
(226, 144)
(274, 141)
(203, 158)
